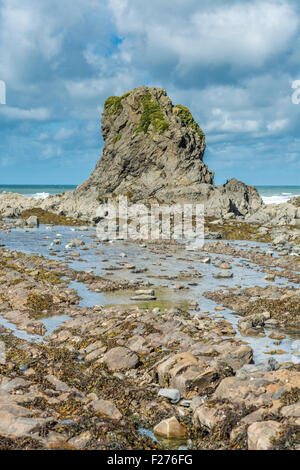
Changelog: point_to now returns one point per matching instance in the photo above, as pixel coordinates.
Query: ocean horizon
(270, 194)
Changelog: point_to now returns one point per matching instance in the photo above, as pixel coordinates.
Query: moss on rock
(113, 104)
(186, 117)
(152, 115)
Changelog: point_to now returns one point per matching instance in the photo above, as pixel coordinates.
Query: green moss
(113, 104)
(116, 139)
(187, 118)
(152, 114)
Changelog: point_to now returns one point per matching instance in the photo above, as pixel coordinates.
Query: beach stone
(266, 366)
(120, 358)
(79, 442)
(107, 409)
(93, 346)
(223, 275)
(170, 428)
(208, 417)
(261, 433)
(186, 373)
(291, 410)
(225, 266)
(33, 221)
(14, 421)
(139, 345)
(14, 384)
(58, 384)
(95, 354)
(206, 260)
(75, 243)
(171, 393)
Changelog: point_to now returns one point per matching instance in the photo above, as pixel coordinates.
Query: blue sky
(232, 62)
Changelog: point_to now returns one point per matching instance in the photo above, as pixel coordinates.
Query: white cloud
(64, 134)
(18, 114)
(240, 34)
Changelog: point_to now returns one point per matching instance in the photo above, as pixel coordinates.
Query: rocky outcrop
(152, 149)
(277, 214)
(153, 152)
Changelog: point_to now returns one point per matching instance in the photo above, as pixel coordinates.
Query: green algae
(47, 217)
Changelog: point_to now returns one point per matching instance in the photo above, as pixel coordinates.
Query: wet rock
(170, 428)
(120, 358)
(206, 260)
(143, 298)
(253, 324)
(33, 222)
(223, 275)
(75, 243)
(225, 266)
(261, 434)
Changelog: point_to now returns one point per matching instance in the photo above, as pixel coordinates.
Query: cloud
(231, 62)
(236, 34)
(17, 114)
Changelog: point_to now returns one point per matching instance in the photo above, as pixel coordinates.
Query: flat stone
(120, 358)
(223, 275)
(170, 428)
(107, 409)
(260, 435)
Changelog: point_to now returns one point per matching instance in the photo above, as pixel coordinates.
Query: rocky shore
(144, 375)
(162, 344)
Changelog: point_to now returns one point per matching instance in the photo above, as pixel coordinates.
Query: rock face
(152, 149)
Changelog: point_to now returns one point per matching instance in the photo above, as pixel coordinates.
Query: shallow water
(102, 257)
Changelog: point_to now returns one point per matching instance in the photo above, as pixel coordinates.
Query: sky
(233, 63)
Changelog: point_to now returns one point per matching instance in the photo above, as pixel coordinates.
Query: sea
(269, 194)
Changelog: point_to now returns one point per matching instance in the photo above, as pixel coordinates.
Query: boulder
(120, 358)
(186, 373)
